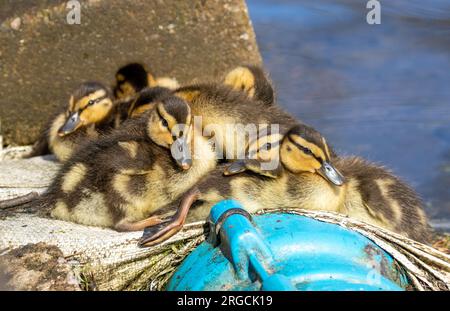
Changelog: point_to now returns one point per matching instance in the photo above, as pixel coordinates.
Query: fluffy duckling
(90, 113)
(252, 80)
(131, 81)
(121, 180)
(133, 78)
(312, 177)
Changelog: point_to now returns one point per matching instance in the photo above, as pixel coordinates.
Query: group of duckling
(134, 159)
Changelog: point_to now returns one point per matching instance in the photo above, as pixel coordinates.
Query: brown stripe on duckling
(83, 102)
(137, 186)
(414, 219)
(302, 143)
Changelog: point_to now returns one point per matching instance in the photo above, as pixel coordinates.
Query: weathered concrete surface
(101, 259)
(20, 177)
(34, 267)
(42, 57)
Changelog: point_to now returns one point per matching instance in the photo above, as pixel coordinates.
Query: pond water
(379, 91)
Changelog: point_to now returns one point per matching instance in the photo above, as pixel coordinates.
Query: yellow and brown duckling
(132, 80)
(252, 80)
(313, 177)
(121, 180)
(91, 112)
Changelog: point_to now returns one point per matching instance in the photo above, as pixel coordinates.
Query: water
(379, 91)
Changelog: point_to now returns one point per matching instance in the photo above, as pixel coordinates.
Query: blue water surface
(379, 91)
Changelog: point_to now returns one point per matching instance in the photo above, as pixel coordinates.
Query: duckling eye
(308, 151)
(91, 102)
(164, 123)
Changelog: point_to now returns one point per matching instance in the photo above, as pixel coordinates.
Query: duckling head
(170, 126)
(303, 149)
(252, 80)
(241, 78)
(90, 104)
(131, 79)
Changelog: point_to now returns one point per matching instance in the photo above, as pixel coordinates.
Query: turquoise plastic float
(284, 252)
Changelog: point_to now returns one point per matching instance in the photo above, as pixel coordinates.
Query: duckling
(227, 114)
(252, 80)
(90, 113)
(134, 77)
(122, 179)
(313, 177)
(131, 79)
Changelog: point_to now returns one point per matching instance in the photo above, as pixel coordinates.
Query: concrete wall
(42, 57)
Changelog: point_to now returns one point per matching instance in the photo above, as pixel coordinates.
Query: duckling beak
(331, 174)
(72, 123)
(182, 153)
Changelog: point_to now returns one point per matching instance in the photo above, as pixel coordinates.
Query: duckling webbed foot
(252, 165)
(158, 233)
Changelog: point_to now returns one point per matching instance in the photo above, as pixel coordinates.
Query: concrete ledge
(42, 58)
